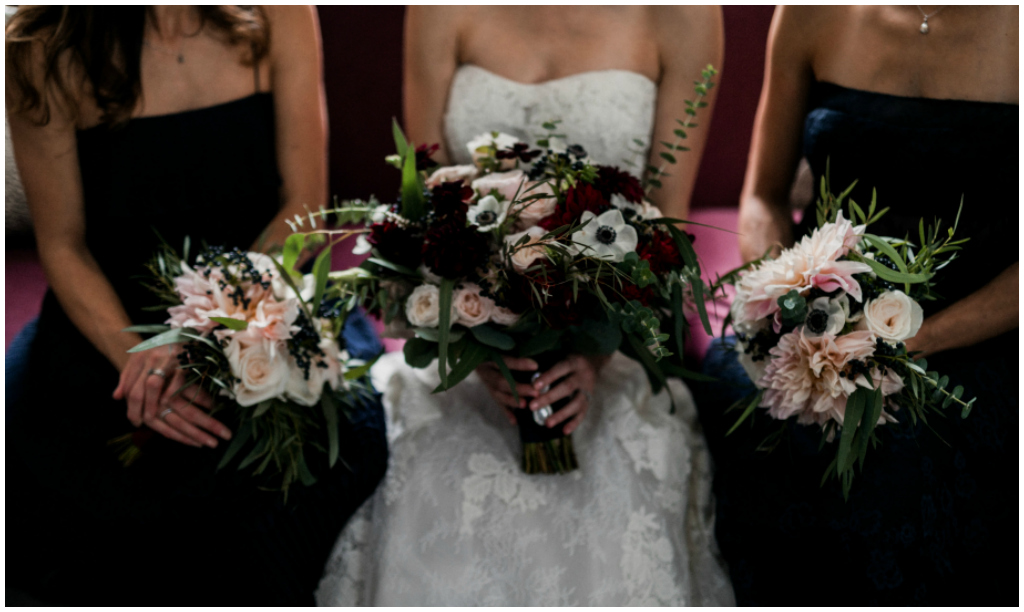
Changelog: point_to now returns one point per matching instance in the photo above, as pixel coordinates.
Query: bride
(456, 522)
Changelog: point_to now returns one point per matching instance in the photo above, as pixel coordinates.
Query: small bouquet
(261, 336)
(532, 252)
(821, 329)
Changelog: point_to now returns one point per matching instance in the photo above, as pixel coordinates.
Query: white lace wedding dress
(456, 522)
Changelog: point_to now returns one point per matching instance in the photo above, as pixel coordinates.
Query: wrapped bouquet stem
(546, 450)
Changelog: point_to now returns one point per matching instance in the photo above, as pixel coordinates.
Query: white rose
(503, 316)
(507, 184)
(450, 174)
(892, 316)
(262, 368)
(423, 307)
(472, 308)
(524, 256)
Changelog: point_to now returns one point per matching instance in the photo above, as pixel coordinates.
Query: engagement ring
(158, 372)
(164, 413)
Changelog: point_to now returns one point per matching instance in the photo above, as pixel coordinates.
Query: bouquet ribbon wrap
(546, 450)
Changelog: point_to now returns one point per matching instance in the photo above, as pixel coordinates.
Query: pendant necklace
(924, 24)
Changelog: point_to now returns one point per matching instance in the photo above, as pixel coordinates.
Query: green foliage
(794, 308)
(444, 325)
(652, 178)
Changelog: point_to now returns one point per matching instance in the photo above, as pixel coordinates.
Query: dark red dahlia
(560, 311)
(396, 244)
(450, 199)
(631, 292)
(611, 180)
(660, 250)
(423, 156)
(578, 200)
(452, 250)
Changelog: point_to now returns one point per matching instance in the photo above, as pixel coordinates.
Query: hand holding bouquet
(821, 329)
(261, 336)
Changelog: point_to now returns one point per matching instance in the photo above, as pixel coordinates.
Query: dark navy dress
(169, 530)
(933, 518)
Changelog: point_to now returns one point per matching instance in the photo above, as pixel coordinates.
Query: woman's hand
(498, 387)
(150, 383)
(580, 374)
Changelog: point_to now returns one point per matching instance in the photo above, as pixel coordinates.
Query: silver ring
(165, 412)
(158, 372)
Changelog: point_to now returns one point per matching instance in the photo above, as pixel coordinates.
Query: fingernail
(212, 443)
(226, 434)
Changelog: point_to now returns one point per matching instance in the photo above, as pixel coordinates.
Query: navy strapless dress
(933, 517)
(170, 529)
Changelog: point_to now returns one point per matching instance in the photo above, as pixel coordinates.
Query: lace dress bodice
(603, 110)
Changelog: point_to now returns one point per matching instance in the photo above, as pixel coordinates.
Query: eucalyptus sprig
(655, 173)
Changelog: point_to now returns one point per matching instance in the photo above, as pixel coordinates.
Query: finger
(508, 414)
(495, 381)
(573, 408)
(508, 400)
(565, 389)
(521, 364)
(574, 423)
(127, 379)
(154, 388)
(168, 432)
(200, 419)
(558, 371)
(197, 396)
(189, 430)
(136, 398)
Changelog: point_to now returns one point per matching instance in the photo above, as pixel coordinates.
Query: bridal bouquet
(532, 252)
(821, 329)
(263, 337)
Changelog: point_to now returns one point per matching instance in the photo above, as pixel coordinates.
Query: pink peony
(803, 375)
(812, 262)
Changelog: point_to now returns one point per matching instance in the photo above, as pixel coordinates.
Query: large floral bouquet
(821, 329)
(262, 337)
(533, 252)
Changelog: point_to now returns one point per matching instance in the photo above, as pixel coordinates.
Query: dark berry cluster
(758, 345)
(854, 368)
(304, 346)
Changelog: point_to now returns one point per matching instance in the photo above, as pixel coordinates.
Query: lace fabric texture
(456, 522)
(605, 111)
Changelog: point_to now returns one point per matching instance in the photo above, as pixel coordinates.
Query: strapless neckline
(220, 106)
(910, 99)
(562, 79)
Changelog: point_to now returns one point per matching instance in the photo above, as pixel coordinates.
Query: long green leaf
(393, 266)
(228, 322)
(872, 412)
(678, 318)
(419, 352)
(690, 259)
(330, 408)
(444, 325)
(498, 359)
(854, 411)
(755, 399)
(321, 268)
(237, 442)
(255, 453)
(894, 276)
(171, 336)
(293, 246)
(305, 476)
(400, 142)
(413, 204)
(492, 337)
(646, 359)
(147, 329)
(472, 356)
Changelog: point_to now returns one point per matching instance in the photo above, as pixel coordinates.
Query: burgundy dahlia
(611, 180)
(578, 200)
(396, 244)
(452, 250)
(661, 252)
(450, 200)
(423, 157)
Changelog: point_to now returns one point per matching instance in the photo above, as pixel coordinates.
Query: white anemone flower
(606, 237)
(644, 210)
(826, 316)
(488, 213)
(362, 246)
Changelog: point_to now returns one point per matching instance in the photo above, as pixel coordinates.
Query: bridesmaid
(206, 122)
(922, 104)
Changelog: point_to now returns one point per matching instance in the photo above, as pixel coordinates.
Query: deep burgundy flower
(396, 244)
(423, 157)
(611, 180)
(452, 250)
(660, 250)
(578, 200)
(560, 311)
(520, 151)
(450, 199)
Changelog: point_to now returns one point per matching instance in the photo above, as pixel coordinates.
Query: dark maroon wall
(725, 157)
(363, 74)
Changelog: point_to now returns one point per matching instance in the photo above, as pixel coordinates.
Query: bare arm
(431, 58)
(296, 68)
(689, 38)
(764, 219)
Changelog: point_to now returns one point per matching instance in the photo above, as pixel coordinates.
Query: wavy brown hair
(58, 52)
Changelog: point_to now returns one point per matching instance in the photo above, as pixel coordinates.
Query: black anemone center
(605, 235)
(817, 321)
(486, 217)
